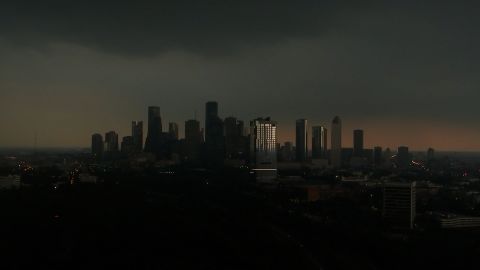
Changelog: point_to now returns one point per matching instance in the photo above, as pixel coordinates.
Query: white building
(263, 151)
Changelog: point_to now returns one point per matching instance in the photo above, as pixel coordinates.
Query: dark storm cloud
(146, 27)
(381, 65)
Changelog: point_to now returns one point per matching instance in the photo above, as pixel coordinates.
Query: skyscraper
(211, 115)
(319, 142)
(263, 150)
(301, 138)
(127, 145)
(111, 142)
(193, 140)
(137, 135)
(399, 204)
(152, 143)
(97, 146)
(214, 139)
(173, 130)
(358, 143)
(192, 131)
(336, 141)
(234, 140)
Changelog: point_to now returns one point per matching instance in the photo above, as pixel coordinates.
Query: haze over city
(404, 72)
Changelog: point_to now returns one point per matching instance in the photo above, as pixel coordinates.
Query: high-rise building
(153, 141)
(336, 141)
(192, 131)
(128, 146)
(263, 150)
(173, 130)
(403, 157)
(399, 204)
(211, 116)
(97, 146)
(214, 139)
(193, 140)
(235, 142)
(319, 142)
(358, 143)
(137, 135)
(111, 141)
(301, 139)
(377, 155)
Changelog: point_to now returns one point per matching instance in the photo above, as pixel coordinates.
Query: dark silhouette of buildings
(193, 140)
(287, 152)
(235, 142)
(97, 146)
(336, 141)
(111, 142)
(128, 145)
(403, 157)
(430, 154)
(214, 137)
(301, 139)
(358, 143)
(137, 136)
(153, 141)
(377, 156)
(173, 130)
(319, 142)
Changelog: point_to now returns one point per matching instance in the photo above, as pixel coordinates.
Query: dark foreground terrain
(199, 223)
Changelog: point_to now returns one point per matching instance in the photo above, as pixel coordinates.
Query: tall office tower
(377, 156)
(128, 145)
(263, 151)
(319, 142)
(97, 146)
(214, 139)
(336, 141)
(192, 131)
(137, 135)
(111, 141)
(193, 140)
(173, 130)
(211, 115)
(399, 204)
(358, 143)
(152, 143)
(403, 157)
(430, 154)
(234, 140)
(301, 139)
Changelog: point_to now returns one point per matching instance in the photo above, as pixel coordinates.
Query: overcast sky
(405, 72)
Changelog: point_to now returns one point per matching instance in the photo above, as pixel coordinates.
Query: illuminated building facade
(263, 150)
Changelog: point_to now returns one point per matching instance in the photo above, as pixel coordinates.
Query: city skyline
(254, 134)
(284, 135)
(388, 68)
